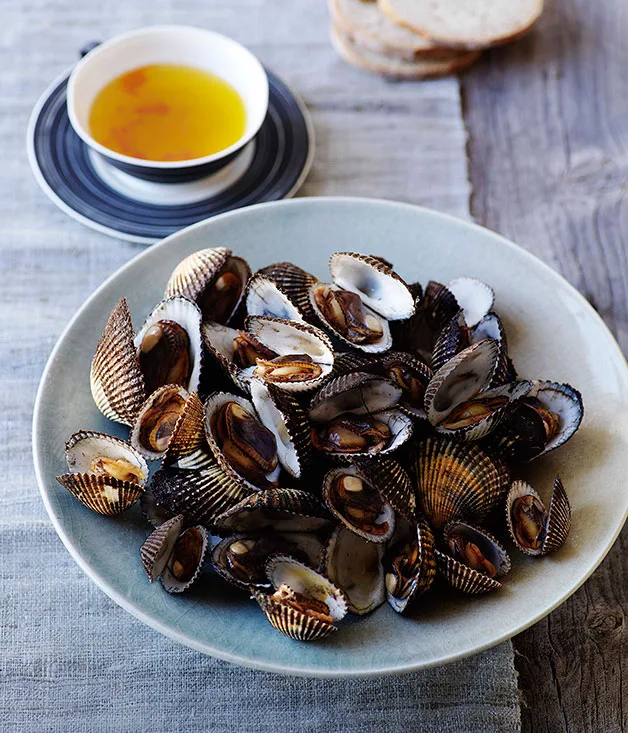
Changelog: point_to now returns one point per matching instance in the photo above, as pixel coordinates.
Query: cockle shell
(188, 446)
(463, 578)
(264, 297)
(157, 403)
(475, 297)
(359, 392)
(458, 481)
(294, 282)
(188, 555)
(159, 545)
(116, 381)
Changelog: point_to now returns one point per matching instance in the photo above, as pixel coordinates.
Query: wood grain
(548, 152)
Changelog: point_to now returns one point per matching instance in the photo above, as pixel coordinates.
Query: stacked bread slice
(419, 39)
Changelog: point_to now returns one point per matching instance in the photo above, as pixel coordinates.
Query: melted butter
(165, 112)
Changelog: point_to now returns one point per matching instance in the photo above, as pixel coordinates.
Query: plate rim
(51, 194)
(290, 670)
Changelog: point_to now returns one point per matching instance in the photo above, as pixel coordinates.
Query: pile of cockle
(349, 441)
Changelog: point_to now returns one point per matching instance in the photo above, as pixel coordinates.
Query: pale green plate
(553, 333)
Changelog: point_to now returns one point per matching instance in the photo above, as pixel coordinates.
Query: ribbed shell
(291, 622)
(218, 341)
(294, 282)
(172, 389)
(385, 342)
(154, 512)
(520, 437)
(355, 566)
(557, 524)
(491, 327)
(425, 569)
(157, 548)
(387, 515)
(514, 391)
(85, 445)
(212, 405)
(169, 581)
(280, 412)
(188, 437)
(286, 510)
(475, 297)
(565, 401)
(200, 495)
(374, 280)
(392, 481)
(192, 275)
(446, 389)
(188, 316)
(359, 392)
(264, 297)
(116, 381)
(287, 338)
(102, 494)
(451, 341)
(458, 481)
(348, 362)
(463, 578)
(482, 537)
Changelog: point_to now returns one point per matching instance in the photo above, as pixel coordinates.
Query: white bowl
(183, 45)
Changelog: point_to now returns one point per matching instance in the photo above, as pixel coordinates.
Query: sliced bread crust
(395, 68)
(373, 29)
(469, 24)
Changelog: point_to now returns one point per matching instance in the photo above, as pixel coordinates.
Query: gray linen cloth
(70, 659)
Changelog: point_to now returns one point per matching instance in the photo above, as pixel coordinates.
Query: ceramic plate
(554, 334)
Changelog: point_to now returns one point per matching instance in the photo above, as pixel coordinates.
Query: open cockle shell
(460, 379)
(491, 327)
(188, 446)
(187, 315)
(451, 341)
(476, 547)
(264, 297)
(214, 279)
(291, 622)
(411, 375)
(392, 481)
(553, 525)
(463, 578)
(458, 481)
(475, 297)
(374, 280)
(354, 499)
(157, 419)
(115, 377)
(156, 551)
(380, 344)
(355, 566)
(106, 474)
(285, 510)
(292, 339)
(186, 560)
(408, 578)
(201, 495)
(294, 282)
(219, 342)
(493, 405)
(287, 420)
(213, 406)
(359, 392)
(564, 401)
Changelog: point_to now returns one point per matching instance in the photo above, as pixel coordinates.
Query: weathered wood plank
(548, 125)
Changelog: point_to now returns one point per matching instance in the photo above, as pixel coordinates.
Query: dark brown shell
(188, 438)
(158, 546)
(458, 481)
(292, 622)
(102, 494)
(464, 578)
(116, 381)
(393, 482)
(294, 282)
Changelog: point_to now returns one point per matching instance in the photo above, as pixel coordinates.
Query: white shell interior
(475, 297)
(80, 456)
(188, 315)
(564, 405)
(304, 580)
(264, 298)
(382, 293)
(163, 555)
(460, 379)
(135, 431)
(369, 397)
(271, 417)
(286, 338)
(355, 565)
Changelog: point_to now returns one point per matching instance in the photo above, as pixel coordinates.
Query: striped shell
(157, 401)
(463, 578)
(157, 548)
(264, 297)
(291, 622)
(457, 481)
(188, 446)
(115, 378)
(171, 579)
(294, 282)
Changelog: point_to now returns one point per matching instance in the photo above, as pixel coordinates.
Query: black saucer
(64, 170)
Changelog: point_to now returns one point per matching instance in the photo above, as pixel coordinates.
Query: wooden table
(548, 162)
